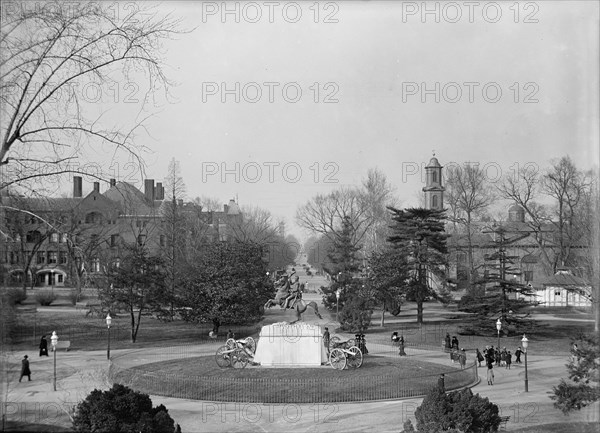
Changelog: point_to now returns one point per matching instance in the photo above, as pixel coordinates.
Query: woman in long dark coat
(43, 346)
(25, 371)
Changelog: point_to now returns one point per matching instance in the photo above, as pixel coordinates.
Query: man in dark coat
(448, 342)
(518, 355)
(326, 339)
(25, 371)
(401, 351)
(455, 343)
(43, 346)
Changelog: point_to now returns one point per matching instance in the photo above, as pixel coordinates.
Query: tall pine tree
(506, 299)
(418, 234)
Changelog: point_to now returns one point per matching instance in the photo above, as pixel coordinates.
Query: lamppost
(54, 340)
(108, 322)
(338, 292)
(525, 343)
(498, 327)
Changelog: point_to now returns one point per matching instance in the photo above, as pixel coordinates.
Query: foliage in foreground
(121, 409)
(583, 368)
(457, 411)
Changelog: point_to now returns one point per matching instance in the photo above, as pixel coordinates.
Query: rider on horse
(294, 293)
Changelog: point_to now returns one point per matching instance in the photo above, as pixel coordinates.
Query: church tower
(434, 191)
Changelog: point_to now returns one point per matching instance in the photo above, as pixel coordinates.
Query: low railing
(346, 388)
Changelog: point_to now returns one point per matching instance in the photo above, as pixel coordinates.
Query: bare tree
(378, 196)
(255, 225)
(324, 214)
(208, 204)
(469, 196)
(523, 188)
(567, 186)
(48, 55)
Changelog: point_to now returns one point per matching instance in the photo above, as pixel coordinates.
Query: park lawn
(575, 427)
(378, 378)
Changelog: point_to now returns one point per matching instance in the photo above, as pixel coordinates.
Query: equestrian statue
(289, 295)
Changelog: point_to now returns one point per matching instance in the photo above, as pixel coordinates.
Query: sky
(277, 102)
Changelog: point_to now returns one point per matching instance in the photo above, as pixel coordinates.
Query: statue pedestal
(290, 345)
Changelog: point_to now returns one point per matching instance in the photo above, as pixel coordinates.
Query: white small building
(563, 289)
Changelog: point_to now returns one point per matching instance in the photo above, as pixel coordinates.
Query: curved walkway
(79, 372)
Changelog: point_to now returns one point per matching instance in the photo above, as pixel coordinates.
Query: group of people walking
(456, 354)
(500, 358)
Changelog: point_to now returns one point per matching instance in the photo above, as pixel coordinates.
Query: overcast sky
(381, 66)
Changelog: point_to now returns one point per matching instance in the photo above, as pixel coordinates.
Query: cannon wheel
(333, 341)
(223, 357)
(251, 344)
(337, 359)
(230, 343)
(355, 359)
(239, 359)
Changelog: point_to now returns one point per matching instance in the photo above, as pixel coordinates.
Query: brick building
(56, 241)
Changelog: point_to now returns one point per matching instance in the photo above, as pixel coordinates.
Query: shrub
(356, 315)
(457, 411)
(75, 296)
(45, 297)
(121, 409)
(15, 296)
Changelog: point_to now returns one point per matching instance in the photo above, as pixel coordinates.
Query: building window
(18, 238)
(434, 202)
(60, 278)
(528, 275)
(114, 240)
(41, 257)
(434, 177)
(63, 257)
(557, 293)
(52, 257)
(96, 265)
(138, 223)
(14, 258)
(63, 238)
(163, 240)
(141, 240)
(54, 238)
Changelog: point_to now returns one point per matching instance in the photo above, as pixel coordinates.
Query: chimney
(77, 183)
(149, 189)
(96, 186)
(179, 202)
(160, 191)
(113, 182)
(225, 208)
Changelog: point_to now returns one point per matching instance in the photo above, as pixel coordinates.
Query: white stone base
(286, 345)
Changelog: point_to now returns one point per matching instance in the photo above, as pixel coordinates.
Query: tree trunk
(420, 311)
(133, 333)
(382, 315)
(216, 324)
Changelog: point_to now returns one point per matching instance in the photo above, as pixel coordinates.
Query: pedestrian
(448, 344)
(518, 355)
(490, 373)
(326, 338)
(508, 360)
(455, 342)
(230, 334)
(503, 357)
(479, 357)
(497, 356)
(462, 359)
(43, 346)
(401, 351)
(25, 371)
(395, 337)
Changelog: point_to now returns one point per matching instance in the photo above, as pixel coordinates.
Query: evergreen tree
(343, 267)
(507, 299)
(584, 372)
(418, 234)
(121, 409)
(387, 275)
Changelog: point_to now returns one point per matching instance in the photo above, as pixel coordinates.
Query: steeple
(434, 191)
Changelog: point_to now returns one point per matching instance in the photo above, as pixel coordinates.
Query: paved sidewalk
(79, 372)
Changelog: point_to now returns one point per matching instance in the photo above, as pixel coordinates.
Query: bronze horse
(298, 304)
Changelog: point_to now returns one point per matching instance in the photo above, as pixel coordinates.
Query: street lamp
(498, 327)
(108, 322)
(338, 292)
(54, 340)
(525, 343)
